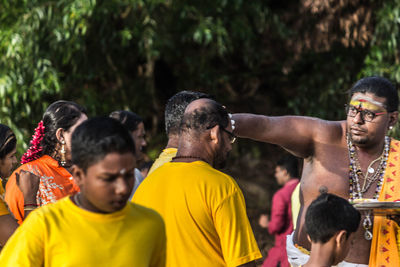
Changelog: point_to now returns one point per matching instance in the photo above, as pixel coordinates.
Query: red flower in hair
(35, 148)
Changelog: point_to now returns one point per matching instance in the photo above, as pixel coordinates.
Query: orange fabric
(55, 183)
(385, 246)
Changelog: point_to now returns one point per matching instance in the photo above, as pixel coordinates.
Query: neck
(82, 202)
(321, 255)
(193, 151)
(374, 150)
(173, 141)
(289, 180)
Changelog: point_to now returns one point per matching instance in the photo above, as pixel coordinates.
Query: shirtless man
(324, 145)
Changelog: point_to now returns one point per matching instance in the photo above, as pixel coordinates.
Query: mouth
(356, 131)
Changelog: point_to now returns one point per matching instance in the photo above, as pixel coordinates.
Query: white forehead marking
(367, 98)
(123, 171)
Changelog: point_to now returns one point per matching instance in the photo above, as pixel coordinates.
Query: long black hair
(8, 141)
(60, 114)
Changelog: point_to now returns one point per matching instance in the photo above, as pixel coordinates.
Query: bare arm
(28, 183)
(294, 133)
(7, 228)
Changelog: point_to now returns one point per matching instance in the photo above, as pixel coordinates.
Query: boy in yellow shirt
(96, 227)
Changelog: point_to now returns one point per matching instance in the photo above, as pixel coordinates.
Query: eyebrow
(368, 99)
(117, 173)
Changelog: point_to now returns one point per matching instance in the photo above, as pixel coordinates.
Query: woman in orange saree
(49, 158)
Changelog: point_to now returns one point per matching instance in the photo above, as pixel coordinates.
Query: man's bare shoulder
(332, 131)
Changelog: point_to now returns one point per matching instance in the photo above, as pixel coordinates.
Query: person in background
(49, 157)
(174, 110)
(27, 182)
(134, 124)
(280, 225)
(331, 223)
(145, 167)
(98, 226)
(203, 208)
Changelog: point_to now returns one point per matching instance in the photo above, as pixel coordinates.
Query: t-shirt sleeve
(236, 236)
(159, 254)
(25, 247)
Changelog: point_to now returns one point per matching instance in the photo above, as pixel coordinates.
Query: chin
(360, 141)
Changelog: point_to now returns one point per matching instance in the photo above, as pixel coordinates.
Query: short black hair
(329, 214)
(205, 117)
(378, 86)
(129, 119)
(175, 109)
(8, 141)
(95, 138)
(290, 164)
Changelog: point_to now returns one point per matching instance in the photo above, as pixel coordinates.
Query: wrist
(30, 199)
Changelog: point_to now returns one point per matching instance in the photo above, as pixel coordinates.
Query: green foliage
(384, 55)
(383, 58)
(135, 54)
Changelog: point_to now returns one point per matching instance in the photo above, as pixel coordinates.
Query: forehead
(114, 162)
(369, 98)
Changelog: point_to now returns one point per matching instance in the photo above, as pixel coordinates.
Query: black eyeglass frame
(232, 136)
(362, 113)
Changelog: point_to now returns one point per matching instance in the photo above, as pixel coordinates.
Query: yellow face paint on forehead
(367, 103)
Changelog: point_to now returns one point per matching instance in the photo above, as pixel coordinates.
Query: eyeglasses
(366, 115)
(232, 136)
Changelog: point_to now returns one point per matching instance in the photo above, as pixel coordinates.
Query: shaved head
(203, 114)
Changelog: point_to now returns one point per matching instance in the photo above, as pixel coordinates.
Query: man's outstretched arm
(294, 133)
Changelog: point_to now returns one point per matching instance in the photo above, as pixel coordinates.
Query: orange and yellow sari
(55, 183)
(385, 246)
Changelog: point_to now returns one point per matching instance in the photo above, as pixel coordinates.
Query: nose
(122, 186)
(144, 143)
(358, 119)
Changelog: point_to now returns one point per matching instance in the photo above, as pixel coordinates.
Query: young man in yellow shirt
(203, 209)
(96, 227)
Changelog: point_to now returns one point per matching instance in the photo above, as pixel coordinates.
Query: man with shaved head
(174, 111)
(203, 209)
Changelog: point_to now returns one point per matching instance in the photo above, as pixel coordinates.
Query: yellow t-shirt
(3, 206)
(165, 156)
(204, 214)
(62, 234)
(295, 200)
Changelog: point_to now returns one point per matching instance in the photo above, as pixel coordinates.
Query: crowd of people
(81, 196)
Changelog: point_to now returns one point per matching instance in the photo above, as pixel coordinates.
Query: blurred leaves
(268, 57)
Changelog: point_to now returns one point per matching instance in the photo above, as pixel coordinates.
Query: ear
(393, 116)
(341, 238)
(309, 238)
(214, 134)
(60, 135)
(78, 174)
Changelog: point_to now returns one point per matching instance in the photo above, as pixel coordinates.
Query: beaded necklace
(355, 172)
